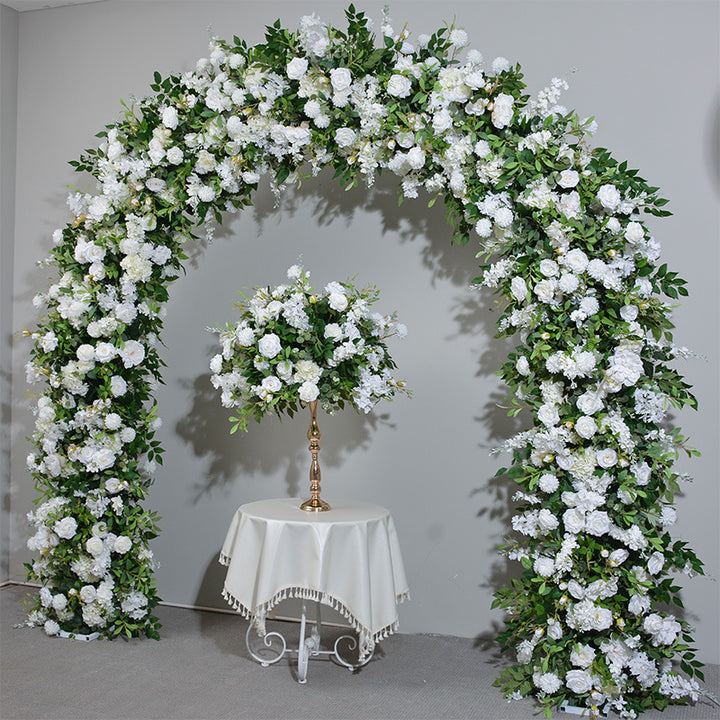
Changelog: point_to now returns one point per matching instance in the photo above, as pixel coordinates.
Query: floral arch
(561, 237)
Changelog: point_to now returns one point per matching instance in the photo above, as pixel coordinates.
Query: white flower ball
(51, 627)
(569, 282)
(483, 228)
(548, 483)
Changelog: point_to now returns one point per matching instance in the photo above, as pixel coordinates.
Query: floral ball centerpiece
(293, 346)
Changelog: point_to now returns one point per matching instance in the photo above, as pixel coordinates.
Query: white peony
(132, 353)
(522, 365)
(568, 178)
(503, 110)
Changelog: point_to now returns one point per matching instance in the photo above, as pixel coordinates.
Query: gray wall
(8, 133)
(646, 70)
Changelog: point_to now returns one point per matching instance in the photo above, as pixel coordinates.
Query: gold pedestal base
(314, 504)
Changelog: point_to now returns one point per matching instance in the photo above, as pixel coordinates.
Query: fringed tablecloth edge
(258, 615)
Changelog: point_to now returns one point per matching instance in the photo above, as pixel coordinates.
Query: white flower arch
(560, 236)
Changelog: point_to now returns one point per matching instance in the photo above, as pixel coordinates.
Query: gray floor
(200, 669)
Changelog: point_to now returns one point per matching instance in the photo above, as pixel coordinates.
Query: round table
(348, 558)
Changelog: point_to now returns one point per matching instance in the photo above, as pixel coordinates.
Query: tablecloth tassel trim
(258, 615)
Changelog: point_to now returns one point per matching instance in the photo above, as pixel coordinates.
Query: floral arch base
(560, 237)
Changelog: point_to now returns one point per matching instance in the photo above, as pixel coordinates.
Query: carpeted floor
(201, 669)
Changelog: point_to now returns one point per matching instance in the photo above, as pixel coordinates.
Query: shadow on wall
(284, 445)
(206, 428)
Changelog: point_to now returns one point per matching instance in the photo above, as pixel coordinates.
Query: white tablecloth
(348, 558)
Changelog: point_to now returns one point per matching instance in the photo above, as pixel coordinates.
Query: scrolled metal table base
(273, 647)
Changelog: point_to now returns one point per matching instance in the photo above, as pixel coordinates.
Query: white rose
(59, 602)
(122, 544)
(618, 557)
(549, 268)
(284, 369)
(133, 353)
(554, 629)
(574, 520)
(95, 546)
(86, 353)
(399, 86)
(597, 523)
(606, 458)
(170, 117)
(333, 331)
(174, 155)
(308, 391)
(118, 386)
(579, 681)
(269, 345)
(590, 402)
(544, 566)
(548, 415)
(568, 178)
(642, 472)
(609, 197)
(582, 656)
(340, 79)
(629, 313)
(545, 290)
(522, 365)
(585, 427)
(503, 110)
(576, 589)
(337, 301)
(271, 384)
(65, 528)
(296, 68)
(634, 232)
(656, 563)
(518, 289)
(105, 352)
(345, 137)
(575, 260)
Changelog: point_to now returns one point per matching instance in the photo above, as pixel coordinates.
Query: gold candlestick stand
(315, 503)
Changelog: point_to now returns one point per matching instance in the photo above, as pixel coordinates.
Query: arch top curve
(560, 232)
